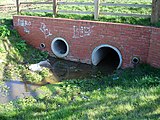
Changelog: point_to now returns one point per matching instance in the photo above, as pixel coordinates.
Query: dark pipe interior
(60, 47)
(135, 60)
(110, 57)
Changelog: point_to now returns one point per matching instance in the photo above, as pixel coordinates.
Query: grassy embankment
(133, 95)
(17, 55)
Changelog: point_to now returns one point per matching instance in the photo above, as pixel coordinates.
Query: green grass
(115, 19)
(135, 96)
(110, 8)
(126, 94)
(17, 56)
(6, 1)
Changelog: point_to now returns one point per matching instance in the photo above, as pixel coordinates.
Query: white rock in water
(44, 63)
(35, 67)
(1, 61)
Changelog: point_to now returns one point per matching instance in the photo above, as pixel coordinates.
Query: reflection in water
(72, 70)
(61, 70)
(16, 89)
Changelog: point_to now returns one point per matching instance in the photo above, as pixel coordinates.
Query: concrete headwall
(84, 36)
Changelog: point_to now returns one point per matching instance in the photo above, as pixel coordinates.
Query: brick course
(83, 36)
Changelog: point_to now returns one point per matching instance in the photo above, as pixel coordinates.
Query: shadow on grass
(105, 108)
(146, 111)
(135, 95)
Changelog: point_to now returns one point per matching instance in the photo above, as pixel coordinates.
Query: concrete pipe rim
(42, 45)
(54, 47)
(109, 46)
(135, 60)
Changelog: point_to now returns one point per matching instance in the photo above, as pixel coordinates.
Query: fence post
(155, 11)
(54, 8)
(159, 9)
(96, 9)
(17, 5)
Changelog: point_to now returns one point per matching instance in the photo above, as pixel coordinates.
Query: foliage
(130, 96)
(3, 89)
(17, 56)
(115, 9)
(35, 77)
(21, 46)
(4, 31)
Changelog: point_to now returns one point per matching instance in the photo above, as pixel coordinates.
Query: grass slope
(134, 95)
(17, 56)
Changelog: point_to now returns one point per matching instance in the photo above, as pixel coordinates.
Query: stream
(61, 69)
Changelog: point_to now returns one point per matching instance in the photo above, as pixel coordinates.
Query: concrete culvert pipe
(60, 47)
(107, 55)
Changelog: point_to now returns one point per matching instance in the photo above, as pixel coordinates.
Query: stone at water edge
(2, 61)
(35, 67)
(44, 63)
(38, 66)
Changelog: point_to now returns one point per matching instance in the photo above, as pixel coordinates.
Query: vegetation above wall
(104, 18)
(126, 20)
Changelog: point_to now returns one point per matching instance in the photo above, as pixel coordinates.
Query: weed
(4, 31)
(17, 55)
(21, 46)
(129, 97)
(36, 77)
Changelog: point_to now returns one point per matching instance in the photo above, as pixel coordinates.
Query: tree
(155, 11)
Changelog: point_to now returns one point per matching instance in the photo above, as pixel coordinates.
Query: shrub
(4, 31)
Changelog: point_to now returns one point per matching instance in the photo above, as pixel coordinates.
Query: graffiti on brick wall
(43, 28)
(81, 31)
(25, 24)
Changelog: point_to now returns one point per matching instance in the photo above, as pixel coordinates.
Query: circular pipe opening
(42, 45)
(60, 47)
(135, 60)
(107, 55)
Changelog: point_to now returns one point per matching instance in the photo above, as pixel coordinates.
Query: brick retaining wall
(84, 36)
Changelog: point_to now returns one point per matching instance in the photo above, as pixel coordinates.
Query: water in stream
(16, 89)
(61, 69)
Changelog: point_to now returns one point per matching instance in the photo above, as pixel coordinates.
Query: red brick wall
(84, 36)
(154, 51)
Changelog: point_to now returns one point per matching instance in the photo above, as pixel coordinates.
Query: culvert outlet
(42, 45)
(107, 55)
(60, 47)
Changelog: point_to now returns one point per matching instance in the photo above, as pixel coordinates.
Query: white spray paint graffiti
(81, 31)
(45, 30)
(24, 24)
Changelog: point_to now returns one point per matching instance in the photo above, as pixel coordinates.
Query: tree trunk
(155, 11)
